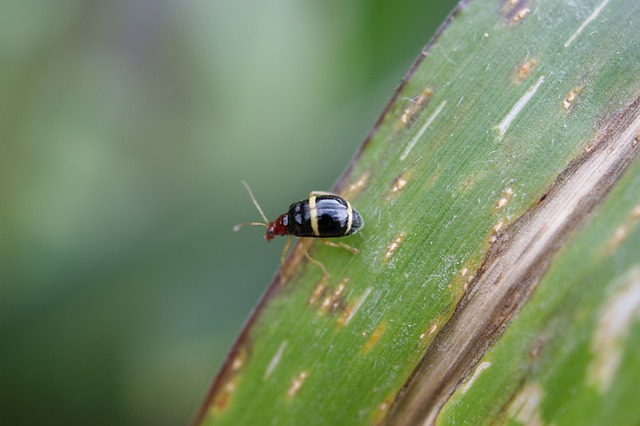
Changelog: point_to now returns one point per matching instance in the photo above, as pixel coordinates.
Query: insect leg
(343, 245)
(314, 261)
(285, 250)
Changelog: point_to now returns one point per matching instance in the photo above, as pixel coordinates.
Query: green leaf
(499, 268)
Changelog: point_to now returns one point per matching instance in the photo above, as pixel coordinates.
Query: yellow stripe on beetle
(350, 217)
(313, 215)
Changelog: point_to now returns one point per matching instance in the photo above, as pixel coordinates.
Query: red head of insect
(278, 227)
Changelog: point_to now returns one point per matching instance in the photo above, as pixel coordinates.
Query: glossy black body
(332, 217)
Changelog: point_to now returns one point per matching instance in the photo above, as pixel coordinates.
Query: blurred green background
(126, 127)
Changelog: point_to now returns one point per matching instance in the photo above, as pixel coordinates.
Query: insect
(322, 215)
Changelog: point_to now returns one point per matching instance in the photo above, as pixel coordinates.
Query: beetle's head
(277, 227)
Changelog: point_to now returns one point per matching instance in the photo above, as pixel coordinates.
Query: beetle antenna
(255, 203)
(237, 227)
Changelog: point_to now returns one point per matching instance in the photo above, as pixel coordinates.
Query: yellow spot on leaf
(433, 327)
(430, 331)
(353, 189)
(525, 406)
(378, 416)
(375, 337)
(619, 236)
(318, 292)
(331, 300)
(524, 69)
(399, 183)
(296, 384)
(507, 195)
(393, 246)
(221, 398)
(570, 98)
(622, 232)
(416, 104)
(237, 363)
(520, 15)
(515, 11)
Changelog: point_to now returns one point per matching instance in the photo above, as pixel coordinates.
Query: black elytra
(323, 216)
